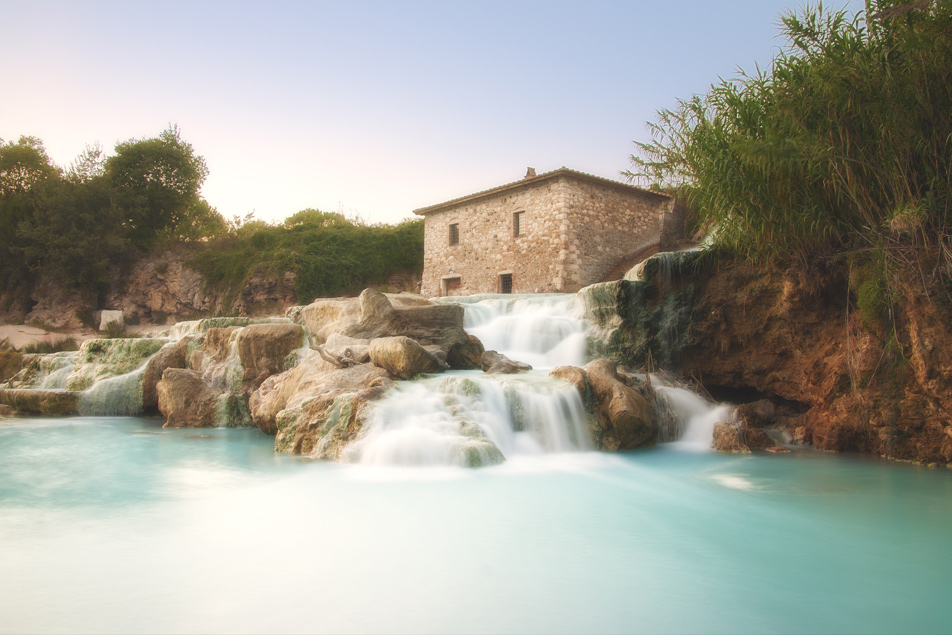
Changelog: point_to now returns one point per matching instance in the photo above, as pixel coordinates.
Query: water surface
(116, 525)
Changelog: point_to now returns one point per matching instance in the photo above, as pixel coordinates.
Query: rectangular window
(454, 234)
(505, 283)
(519, 223)
(451, 285)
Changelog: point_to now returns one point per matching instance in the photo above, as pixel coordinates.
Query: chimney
(530, 172)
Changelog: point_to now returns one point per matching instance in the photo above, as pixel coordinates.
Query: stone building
(552, 232)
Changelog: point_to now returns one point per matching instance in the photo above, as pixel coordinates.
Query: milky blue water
(115, 525)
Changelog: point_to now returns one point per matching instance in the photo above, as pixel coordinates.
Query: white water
(431, 421)
(686, 419)
(542, 330)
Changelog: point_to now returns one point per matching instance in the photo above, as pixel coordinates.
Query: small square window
(451, 284)
(454, 234)
(519, 223)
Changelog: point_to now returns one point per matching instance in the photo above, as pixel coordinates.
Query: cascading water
(685, 419)
(459, 418)
(115, 396)
(542, 330)
(470, 418)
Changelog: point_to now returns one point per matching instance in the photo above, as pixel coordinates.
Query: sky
(372, 109)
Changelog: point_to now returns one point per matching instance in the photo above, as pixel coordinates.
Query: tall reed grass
(844, 146)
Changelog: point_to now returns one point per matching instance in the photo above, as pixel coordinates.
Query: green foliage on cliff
(843, 145)
(327, 254)
(78, 224)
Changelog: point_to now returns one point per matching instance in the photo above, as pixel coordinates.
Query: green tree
(23, 165)
(157, 183)
(74, 234)
(24, 169)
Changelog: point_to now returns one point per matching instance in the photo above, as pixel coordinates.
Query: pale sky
(370, 108)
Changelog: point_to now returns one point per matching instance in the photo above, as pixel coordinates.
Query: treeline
(76, 224)
(79, 225)
(328, 254)
(842, 150)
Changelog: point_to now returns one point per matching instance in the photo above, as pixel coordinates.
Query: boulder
(625, 417)
(322, 426)
(729, 438)
(757, 414)
(757, 438)
(466, 355)
(264, 349)
(312, 378)
(496, 363)
(185, 400)
(574, 375)
(403, 357)
(374, 315)
(172, 355)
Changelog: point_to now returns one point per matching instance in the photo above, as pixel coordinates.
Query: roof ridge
(528, 180)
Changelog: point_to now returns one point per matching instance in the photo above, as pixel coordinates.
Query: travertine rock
(264, 348)
(312, 378)
(494, 363)
(625, 416)
(172, 355)
(185, 400)
(402, 357)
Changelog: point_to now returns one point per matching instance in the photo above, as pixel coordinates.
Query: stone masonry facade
(555, 232)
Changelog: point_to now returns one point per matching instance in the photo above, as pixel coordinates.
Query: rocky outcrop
(403, 357)
(315, 411)
(324, 425)
(313, 377)
(621, 417)
(494, 363)
(729, 438)
(264, 349)
(375, 315)
(839, 379)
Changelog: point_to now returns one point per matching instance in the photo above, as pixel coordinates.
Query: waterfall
(686, 419)
(114, 396)
(470, 419)
(542, 330)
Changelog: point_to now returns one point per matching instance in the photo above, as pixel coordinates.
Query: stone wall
(487, 247)
(577, 229)
(607, 225)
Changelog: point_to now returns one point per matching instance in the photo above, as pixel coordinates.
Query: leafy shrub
(845, 143)
(114, 330)
(328, 254)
